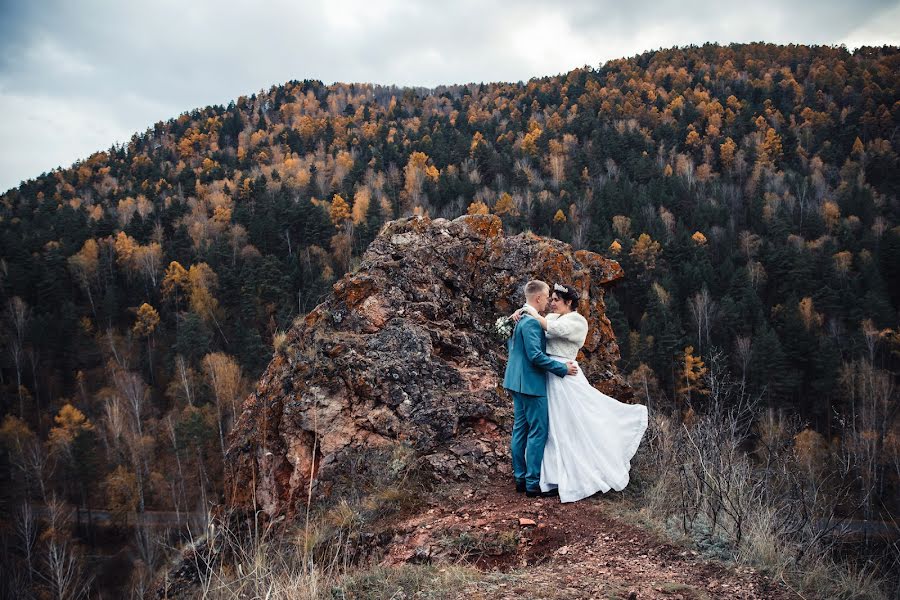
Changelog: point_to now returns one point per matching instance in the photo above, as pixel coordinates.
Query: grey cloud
(114, 68)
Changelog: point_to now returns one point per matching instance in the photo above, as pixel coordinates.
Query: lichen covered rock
(403, 351)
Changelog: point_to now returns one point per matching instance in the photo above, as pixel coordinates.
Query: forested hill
(749, 191)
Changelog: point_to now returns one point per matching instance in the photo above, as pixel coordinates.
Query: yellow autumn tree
(122, 494)
(202, 280)
(529, 141)
(693, 139)
(831, 213)
(699, 238)
(340, 211)
(361, 201)
(246, 188)
(771, 150)
(811, 319)
(415, 173)
(477, 140)
(843, 261)
(704, 173)
(146, 322)
(726, 153)
(559, 217)
(125, 247)
(144, 326)
(70, 423)
(505, 206)
(175, 282)
(690, 376)
(222, 216)
(15, 434)
(84, 268)
(644, 251)
(478, 208)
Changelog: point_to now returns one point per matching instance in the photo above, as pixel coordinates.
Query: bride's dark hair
(568, 294)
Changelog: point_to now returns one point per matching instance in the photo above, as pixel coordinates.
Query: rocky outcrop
(403, 351)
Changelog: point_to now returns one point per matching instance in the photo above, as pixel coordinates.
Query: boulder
(403, 352)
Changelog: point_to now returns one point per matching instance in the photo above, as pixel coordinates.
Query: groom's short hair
(534, 287)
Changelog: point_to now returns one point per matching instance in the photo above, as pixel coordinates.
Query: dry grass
(279, 341)
(407, 581)
(310, 566)
(333, 555)
(732, 483)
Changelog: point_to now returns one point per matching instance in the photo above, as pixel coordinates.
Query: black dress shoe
(520, 486)
(539, 494)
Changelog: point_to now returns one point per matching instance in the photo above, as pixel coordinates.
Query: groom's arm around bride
(534, 344)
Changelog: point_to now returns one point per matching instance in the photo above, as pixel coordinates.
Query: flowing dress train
(592, 436)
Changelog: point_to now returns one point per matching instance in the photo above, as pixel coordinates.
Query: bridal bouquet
(503, 328)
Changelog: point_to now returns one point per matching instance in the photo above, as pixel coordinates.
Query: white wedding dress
(592, 436)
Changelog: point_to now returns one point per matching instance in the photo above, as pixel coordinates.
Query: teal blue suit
(526, 379)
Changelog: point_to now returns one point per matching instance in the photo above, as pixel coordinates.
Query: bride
(592, 437)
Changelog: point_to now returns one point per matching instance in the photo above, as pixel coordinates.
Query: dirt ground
(540, 548)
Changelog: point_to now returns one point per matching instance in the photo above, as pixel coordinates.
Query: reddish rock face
(402, 351)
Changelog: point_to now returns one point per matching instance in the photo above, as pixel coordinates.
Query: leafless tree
(36, 464)
(804, 198)
(26, 530)
(874, 407)
(132, 389)
(148, 548)
(18, 313)
(34, 360)
(703, 310)
(115, 425)
(182, 371)
(742, 347)
(749, 243)
(177, 498)
(224, 376)
(63, 569)
(557, 164)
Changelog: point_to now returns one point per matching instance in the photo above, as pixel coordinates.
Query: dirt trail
(540, 548)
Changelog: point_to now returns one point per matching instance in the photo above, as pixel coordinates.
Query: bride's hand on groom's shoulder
(516, 315)
(527, 310)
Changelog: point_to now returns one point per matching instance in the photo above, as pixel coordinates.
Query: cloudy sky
(76, 77)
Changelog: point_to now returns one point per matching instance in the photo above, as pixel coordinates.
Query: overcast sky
(78, 76)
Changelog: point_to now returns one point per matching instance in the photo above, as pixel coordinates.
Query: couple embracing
(568, 438)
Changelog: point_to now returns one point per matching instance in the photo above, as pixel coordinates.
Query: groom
(526, 379)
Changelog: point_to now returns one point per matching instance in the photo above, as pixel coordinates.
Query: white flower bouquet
(503, 328)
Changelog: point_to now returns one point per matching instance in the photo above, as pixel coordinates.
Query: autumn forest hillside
(750, 193)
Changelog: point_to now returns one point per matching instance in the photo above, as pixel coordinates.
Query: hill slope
(750, 193)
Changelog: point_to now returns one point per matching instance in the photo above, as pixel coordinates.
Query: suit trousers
(531, 425)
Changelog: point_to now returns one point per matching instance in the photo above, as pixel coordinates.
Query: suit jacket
(526, 369)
